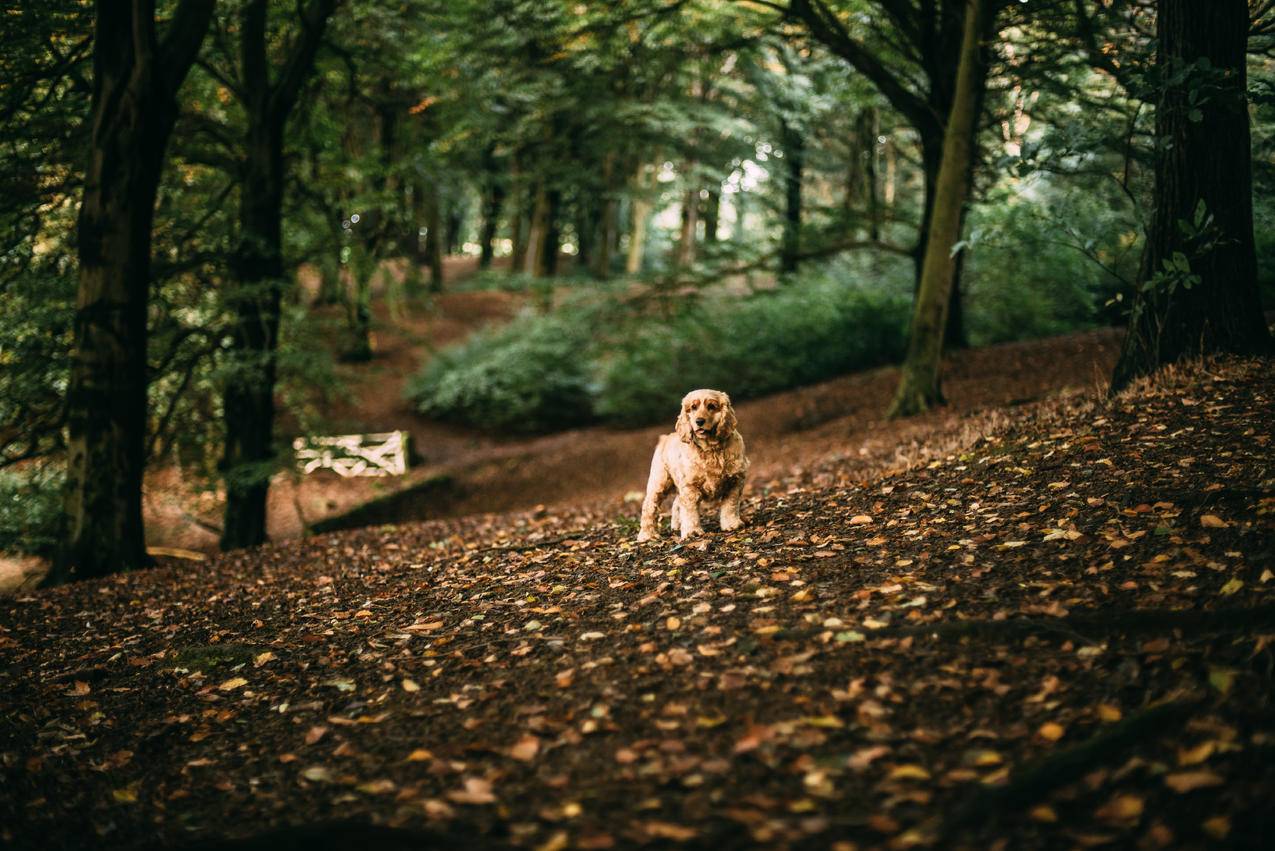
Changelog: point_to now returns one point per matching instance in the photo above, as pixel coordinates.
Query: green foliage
(30, 510)
(1044, 260)
(598, 359)
(528, 376)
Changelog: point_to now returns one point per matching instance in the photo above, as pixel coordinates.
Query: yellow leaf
(1121, 808)
(1051, 731)
(673, 623)
(127, 795)
(860, 520)
(908, 772)
(410, 686)
(1212, 521)
(1109, 713)
(826, 721)
(1043, 813)
(1197, 754)
(232, 684)
(1231, 587)
(1189, 781)
(420, 755)
(1217, 827)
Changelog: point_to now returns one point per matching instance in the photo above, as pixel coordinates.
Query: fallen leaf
(1212, 521)
(315, 733)
(1197, 754)
(233, 683)
(908, 772)
(1189, 781)
(1051, 731)
(1121, 808)
(525, 749)
(410, 686)
(475, 791)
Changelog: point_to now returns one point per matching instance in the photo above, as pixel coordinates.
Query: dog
(703, 460)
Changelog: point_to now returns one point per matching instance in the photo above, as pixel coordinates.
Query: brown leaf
(475, 791)
(526, 748)
(1189, 781)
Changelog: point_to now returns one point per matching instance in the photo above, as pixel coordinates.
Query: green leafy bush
(30, 511)
(596, 359)
(531, 375)
(807, 331)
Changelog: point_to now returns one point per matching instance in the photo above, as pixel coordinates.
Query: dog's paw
(645, 535)
(690, 533)
(731, 524)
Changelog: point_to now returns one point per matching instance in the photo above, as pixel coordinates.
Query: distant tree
(136, 75)
(919, 387)
(1197, 288)
(257, 265)
(909, 50)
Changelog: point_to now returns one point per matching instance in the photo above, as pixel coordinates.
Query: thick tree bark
(257, 266)
(1197, 289)
(135, 81)
(794, 172)
(919, 387)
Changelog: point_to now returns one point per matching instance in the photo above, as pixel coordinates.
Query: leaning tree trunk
(794, 172)
(257, 268)
(134, 107)
(919, 387)
(1197, 289)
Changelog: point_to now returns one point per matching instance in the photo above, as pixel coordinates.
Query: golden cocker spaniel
(703, 461)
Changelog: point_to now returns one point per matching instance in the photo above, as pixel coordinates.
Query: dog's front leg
(656, 486)
(730, 507)
(687, 509)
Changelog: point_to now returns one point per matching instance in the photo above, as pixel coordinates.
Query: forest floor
(1058, 633)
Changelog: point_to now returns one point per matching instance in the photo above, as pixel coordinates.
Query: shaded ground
(866, 664)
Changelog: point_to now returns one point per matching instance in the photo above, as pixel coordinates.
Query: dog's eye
(712, 406)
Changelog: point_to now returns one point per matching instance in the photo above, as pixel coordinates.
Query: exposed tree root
(1034, 781)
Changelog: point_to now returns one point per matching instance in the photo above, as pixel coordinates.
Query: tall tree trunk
(639, 215)
(434, 237)
(547, 265)
(685, 252)
(536, 223)
(257, 268)
(135, 81)
(794, 171)
(919, 387)
(1197, 288)
(712, 213)
(493, 201)
(606, 230)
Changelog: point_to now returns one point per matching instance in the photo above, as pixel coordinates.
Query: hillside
(1057, 636)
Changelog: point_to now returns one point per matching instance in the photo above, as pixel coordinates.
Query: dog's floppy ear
(729, 423)
(683, 426)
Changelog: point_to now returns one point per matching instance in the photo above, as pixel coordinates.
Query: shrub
(549, 371)
(30, 511)
(807, 331)
(528, 376)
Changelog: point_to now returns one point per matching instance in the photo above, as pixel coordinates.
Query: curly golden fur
(703, 461)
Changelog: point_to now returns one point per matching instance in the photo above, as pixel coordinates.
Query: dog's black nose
(699, 422)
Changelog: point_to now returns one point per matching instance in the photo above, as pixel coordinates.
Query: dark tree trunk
(434, 238)
(712, 213)
(455, 221)
(257, 267)
(493, 201)
(794, 171)
(1197, 291)
(134, 107)
(548, 265)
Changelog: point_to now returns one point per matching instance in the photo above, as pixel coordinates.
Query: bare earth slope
(1059, 636)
